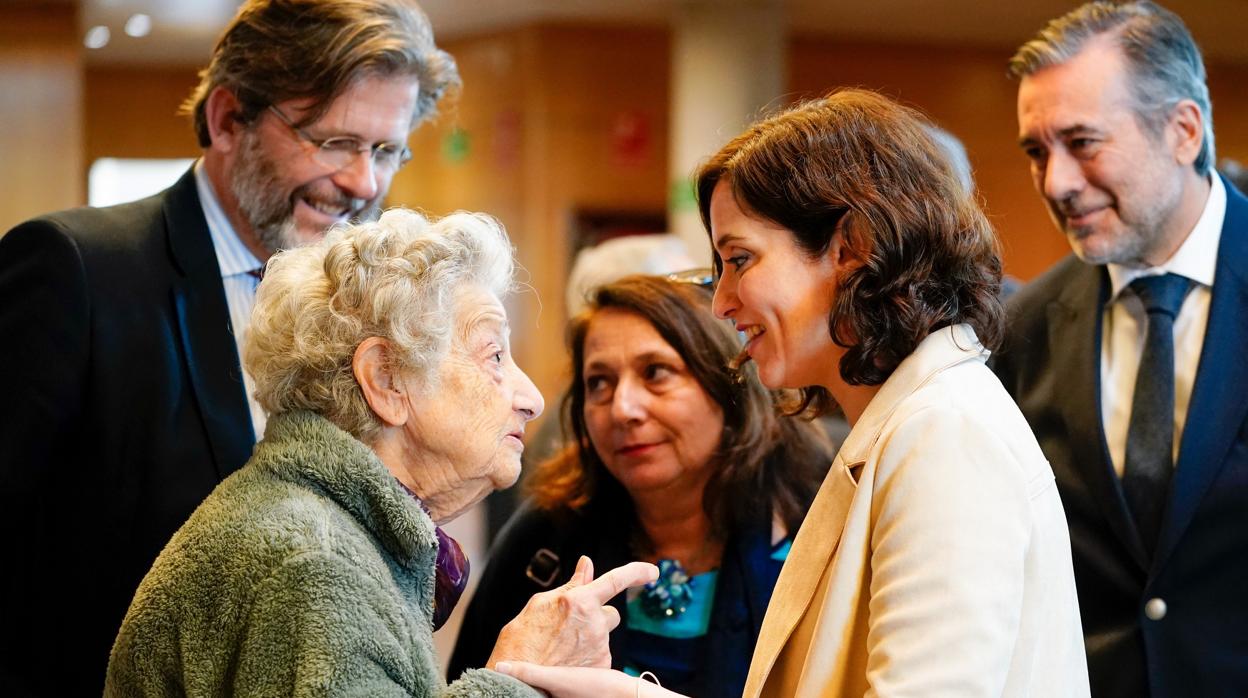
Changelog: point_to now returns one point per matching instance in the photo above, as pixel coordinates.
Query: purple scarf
(452, 570)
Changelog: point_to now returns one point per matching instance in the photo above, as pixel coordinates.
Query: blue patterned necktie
(1149, 461)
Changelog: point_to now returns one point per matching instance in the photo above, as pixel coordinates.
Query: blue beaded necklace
(668, 596)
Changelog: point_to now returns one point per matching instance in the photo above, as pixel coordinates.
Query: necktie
(1149, 461)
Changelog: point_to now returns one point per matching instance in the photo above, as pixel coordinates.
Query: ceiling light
(138, 25)
(97, 37)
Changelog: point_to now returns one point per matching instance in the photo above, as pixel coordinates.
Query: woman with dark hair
(675, 458)
(935, 559)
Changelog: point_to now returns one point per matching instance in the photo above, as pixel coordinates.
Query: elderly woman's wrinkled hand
(569, 626)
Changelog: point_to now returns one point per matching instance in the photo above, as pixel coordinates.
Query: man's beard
(269, 208)
(1136, 243)
(1128, 248)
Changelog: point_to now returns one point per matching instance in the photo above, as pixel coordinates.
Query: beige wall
(40, 111)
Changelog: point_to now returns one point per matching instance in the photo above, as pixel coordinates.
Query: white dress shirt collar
(233, 257)
(239, 286)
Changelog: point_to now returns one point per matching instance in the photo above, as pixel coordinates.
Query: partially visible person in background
(676, 459)
(960, 163)
(611, 259)
(1127, 357)
(1235, 173)
(651, 254)
(955, 155)
(124, 400)
(382, 356)
(935, 558)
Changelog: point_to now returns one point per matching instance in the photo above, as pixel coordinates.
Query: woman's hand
(574, 682)
(569, 626)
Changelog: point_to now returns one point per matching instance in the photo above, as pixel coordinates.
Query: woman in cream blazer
(935, 559)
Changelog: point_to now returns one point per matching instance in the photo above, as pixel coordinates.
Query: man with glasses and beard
(125, 403)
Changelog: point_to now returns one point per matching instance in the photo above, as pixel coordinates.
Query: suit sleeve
(44, 319)
(44, 352)
(949, 536)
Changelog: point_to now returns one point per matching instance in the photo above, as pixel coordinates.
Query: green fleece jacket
(308, 572)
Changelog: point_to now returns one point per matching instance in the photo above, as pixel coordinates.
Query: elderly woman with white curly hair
(381, 355)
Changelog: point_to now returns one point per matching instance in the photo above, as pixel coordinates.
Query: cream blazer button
(1155, 609)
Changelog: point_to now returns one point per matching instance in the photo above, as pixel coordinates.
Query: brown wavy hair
(859, 164)
(275, 50)
(763, 459)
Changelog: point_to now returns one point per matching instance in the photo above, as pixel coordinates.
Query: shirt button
(1155, 609)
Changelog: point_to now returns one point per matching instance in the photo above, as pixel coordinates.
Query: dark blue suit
(1051, 365)
(123, 408)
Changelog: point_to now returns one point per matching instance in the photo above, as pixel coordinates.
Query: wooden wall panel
(541, 113)
(587, 83)
(1230, 110)
(132, 112)
(40, 111)
(475, 155)
(469, 157)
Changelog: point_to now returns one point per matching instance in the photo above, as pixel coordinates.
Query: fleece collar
(306, 448)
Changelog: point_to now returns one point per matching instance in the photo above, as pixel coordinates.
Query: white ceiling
(183, 30)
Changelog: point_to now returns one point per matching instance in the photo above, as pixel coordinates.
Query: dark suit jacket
(123, 406)
(1051, 365)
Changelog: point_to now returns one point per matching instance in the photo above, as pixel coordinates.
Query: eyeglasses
(340, 151)
(702, 277)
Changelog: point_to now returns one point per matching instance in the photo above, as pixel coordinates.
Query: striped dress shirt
(237, 264)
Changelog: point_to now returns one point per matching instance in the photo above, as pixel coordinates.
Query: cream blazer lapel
(819, 596)
(799, 578)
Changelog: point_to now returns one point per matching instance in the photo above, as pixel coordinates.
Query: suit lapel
(1075, 334)
(799, 578)
(204, 327)
(1218, 406)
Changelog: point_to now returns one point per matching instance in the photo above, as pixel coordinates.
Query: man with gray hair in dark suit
(1127, 356)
